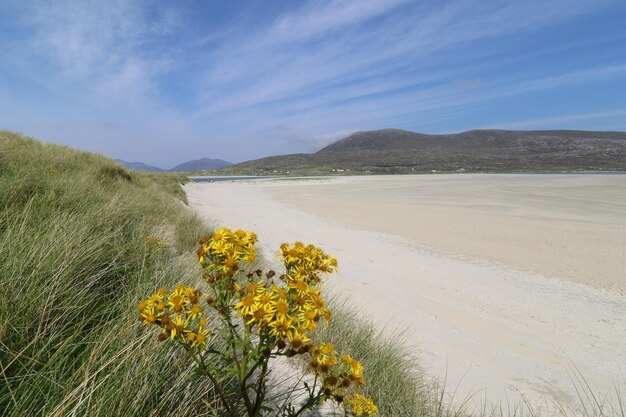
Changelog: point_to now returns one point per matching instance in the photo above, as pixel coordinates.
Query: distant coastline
(207, 177)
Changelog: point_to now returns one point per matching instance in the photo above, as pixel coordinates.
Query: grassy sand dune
(75, 259)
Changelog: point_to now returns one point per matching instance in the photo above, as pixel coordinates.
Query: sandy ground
(485, 272)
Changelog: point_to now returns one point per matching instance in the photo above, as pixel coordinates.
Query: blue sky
(165, 82)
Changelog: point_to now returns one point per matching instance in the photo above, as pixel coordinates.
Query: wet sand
(503, 282)
(570, 227)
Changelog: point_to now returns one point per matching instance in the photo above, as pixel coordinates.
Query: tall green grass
(73, 263)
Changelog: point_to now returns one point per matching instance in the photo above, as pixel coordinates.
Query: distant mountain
(201, 164)
(393, 150)
(139, 166)
(195, 165)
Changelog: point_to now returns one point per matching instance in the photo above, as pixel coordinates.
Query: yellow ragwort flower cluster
(306, 262)
(179, 316)
(341, 380)
(289, 313)
(155, 243)
(225, 250)
(361, 405)
(278, 315)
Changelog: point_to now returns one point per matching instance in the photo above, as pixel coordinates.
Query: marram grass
(76, 255)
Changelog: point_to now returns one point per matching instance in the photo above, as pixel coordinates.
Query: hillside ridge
(478, 150)
(193, 165)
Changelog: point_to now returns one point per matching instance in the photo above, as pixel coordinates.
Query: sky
(164, 82)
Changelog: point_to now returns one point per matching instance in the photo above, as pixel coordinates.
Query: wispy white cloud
(304, 53)
(323, 18)
(319, 141)
(110, 48)
(559, 120)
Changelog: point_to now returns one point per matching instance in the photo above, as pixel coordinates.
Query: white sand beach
(507, 285)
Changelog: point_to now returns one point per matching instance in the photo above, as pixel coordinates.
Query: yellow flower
(218, 247)
(258, 316)
(325, 357)
(220, 235)
(155, 299)
(297, 338)
(279, 292)
(308, 318)
(249, 256)
(194, 312)
(316, 299)
(230, 264)
(361, 405)
(356, 369)
(178, 326)
(299, 286)
(251, 237)
(198, 338)
(279, 308)
(245, 306)
(281, 326)
(256, 288)
(176, 301)
(149, 315)
(264, 299)
(327, 349)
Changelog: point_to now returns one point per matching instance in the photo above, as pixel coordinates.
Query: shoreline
(488, 330)
(333, 174)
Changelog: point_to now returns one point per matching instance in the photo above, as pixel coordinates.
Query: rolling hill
(140, 166)
(201, 164)
(195, 165)
(393, 150)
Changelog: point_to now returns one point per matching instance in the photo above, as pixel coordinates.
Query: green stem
(312, 400)
(200, 362)
(260, 389)
(243, 376)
